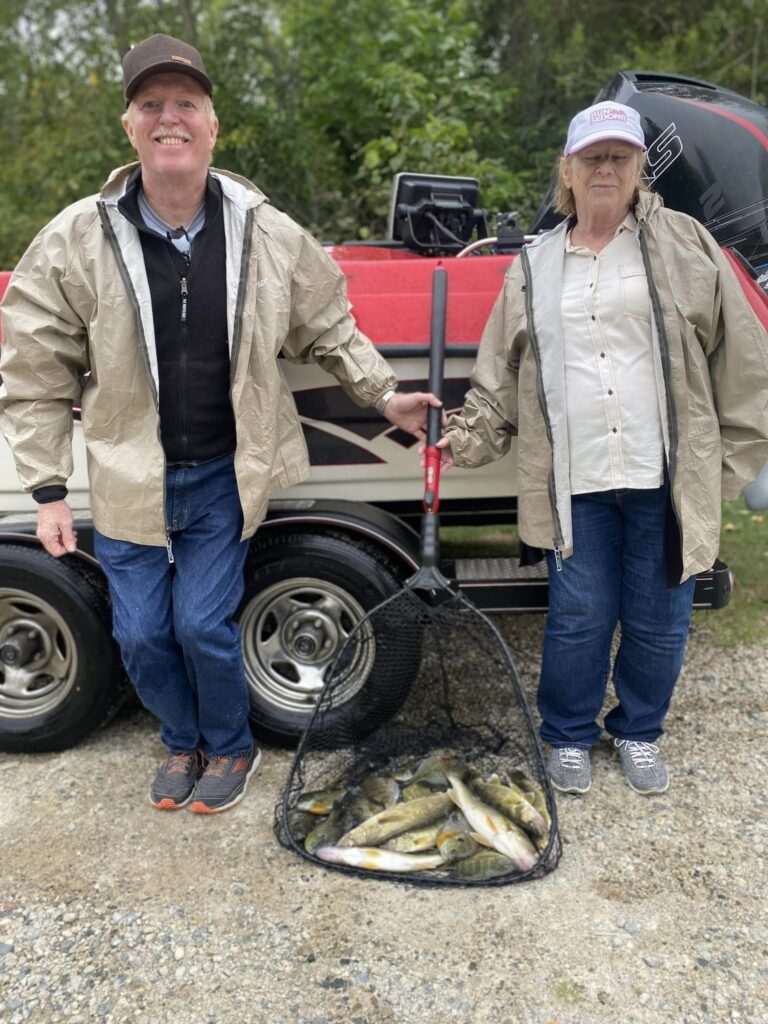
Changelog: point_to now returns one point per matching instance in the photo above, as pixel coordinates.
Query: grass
(743, 546)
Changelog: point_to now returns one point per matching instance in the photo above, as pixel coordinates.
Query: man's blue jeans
(615, 575)
(174, 623)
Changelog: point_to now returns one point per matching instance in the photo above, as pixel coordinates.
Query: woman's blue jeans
(615, 575)
(174, 623)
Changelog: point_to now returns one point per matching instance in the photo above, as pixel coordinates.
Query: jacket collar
(238, 190)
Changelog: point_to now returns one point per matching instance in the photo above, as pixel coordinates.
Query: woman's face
(603, 178)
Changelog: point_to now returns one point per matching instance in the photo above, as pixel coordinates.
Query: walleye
(393, 821)
(375, 859)
(512, 802)
(489, 826)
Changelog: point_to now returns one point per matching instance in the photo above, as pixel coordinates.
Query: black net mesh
(424, 698)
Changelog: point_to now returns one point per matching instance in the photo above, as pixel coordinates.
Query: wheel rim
(292, 632)
(45, 668)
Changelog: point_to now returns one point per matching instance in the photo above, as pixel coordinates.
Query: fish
(382, 789)
(395, 820)
(375, 859)
(417, 840)
(429, 772)
(415, 791)
(360, 807)
(482, 865)
(511, 800)
(489, 826)
(319, 801)
(301, 823)
(455, 841)
(328, 830)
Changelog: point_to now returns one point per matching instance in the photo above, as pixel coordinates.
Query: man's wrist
(382, 400)
(45, 495)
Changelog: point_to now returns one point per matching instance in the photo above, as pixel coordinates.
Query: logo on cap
(184, 60)
(607, 114)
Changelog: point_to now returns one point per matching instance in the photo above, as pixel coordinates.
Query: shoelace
(179, 764)
(571, 757)
(643, 754)
(218, 766)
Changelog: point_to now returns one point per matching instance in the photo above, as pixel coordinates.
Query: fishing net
(465, 705)
(439, 778)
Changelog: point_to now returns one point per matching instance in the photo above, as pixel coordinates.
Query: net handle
(432, 455)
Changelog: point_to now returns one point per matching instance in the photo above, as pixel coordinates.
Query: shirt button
(594, 317)
(614, 430)
(602, 355)
(591, 285)
(610, 391)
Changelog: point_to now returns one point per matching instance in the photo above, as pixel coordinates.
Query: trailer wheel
(304, 593)
(60, 670)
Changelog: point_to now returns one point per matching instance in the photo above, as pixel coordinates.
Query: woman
(624, 355)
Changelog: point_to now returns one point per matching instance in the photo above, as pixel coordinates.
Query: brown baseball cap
(160, 54)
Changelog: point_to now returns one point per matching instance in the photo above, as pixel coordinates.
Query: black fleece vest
(189, 309)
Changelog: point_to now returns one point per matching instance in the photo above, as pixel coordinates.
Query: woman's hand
(446, 455)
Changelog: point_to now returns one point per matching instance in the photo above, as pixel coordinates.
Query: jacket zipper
(183, 360)
(558, 538)
(666, 366)
(242, 285)
(128, 284)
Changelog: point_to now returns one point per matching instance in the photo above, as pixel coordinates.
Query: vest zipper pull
(184, 294)
(169, 547)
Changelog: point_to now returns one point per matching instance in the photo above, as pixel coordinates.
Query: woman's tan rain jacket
(77, 327)
(711, 358)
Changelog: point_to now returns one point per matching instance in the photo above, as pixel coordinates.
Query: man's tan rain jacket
(77, 327)
(711, 359)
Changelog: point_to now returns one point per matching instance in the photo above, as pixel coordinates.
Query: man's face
(170, 127)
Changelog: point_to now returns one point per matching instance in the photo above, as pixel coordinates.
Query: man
(161, 306)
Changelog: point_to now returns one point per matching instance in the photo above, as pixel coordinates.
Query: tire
(312, 589)
(60, 670)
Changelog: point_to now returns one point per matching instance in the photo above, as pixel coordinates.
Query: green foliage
(322, 103)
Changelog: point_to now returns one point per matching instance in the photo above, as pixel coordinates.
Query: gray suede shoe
(570, 769)
(643, 767)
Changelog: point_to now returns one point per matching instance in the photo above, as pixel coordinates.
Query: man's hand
(54, 528)
(409, 411)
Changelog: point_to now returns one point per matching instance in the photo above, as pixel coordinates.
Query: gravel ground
(112, 913)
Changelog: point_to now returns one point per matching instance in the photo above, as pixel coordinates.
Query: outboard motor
(707, 156)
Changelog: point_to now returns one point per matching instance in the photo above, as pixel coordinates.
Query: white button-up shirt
(615, 435)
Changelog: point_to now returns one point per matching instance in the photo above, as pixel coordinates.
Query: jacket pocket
(635, 297)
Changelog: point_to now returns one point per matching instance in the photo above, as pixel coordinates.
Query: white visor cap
(602, 122)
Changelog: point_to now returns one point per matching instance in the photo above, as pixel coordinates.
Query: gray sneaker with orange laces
(223, 783)
(175, 780)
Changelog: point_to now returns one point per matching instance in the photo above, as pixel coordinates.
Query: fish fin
(481, 839)
(452, 794)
